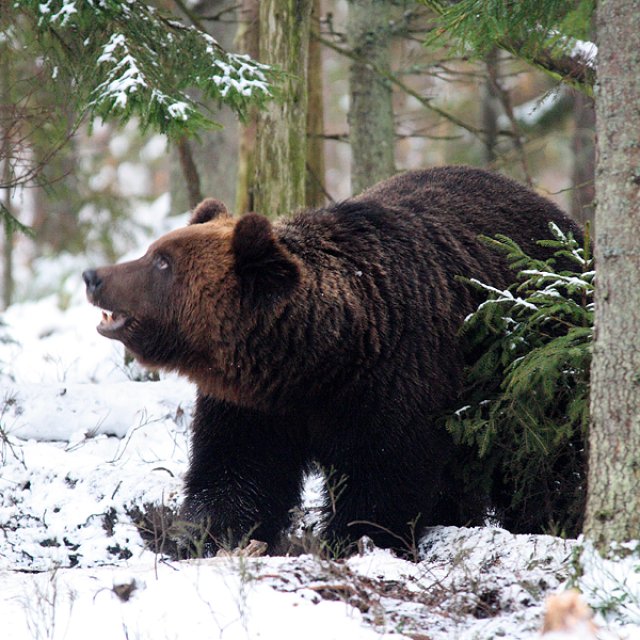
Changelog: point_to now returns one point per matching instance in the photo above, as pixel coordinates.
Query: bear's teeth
(107, 316)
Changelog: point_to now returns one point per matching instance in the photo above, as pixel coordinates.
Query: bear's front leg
(245, 476)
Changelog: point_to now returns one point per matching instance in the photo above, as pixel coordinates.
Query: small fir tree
(526, 404)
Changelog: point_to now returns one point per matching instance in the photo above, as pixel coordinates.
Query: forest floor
(91, 455)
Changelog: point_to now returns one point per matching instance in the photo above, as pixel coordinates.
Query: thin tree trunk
(7, 254)
(584, 159)
(189, 172)
(371, 126)
(613, 503)
(490, 108)
(248, 42)
(5, 154)
(55, 221)
(315, 190)
(214, 154)
(282, 127)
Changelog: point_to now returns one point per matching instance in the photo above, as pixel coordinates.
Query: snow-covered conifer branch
(128, 59)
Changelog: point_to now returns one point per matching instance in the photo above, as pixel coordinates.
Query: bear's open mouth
(112, 322)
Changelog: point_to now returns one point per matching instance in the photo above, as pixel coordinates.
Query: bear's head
(196, 293)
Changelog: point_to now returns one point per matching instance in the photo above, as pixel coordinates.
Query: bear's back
(432, 216)
(387, 262)
(472, 200)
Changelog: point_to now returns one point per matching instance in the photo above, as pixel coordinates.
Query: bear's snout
(92, 280)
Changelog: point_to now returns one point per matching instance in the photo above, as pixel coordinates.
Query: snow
(136, 177)
(125, 77)
(179, 110)
(67, 9)
(126, 63)
(241, 74)
(531, 112)
(573, 281)
(154, 149)
(235, 73)
(89, 446)
(586, 50)
(504, 295)
(607, 582)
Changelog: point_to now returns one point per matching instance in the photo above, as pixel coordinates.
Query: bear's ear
(208, 210)
(266, 269)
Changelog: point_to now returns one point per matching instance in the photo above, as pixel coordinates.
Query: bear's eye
(160, 262)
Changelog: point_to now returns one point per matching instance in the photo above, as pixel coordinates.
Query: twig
(390, 77)
(570, 69)
(517, 136)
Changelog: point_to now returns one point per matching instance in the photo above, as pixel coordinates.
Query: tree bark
(282, 126)
(490, 107)
(5, 160)
(248, 39)
(613, 503)
(584, 159)
(371, 125)
(189, 172)
(7, 249)
(315, 181)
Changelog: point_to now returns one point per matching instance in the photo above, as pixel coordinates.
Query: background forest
(416, 105)
(116, 118)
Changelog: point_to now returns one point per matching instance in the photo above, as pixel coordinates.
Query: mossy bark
(248, 40)
(613, 505)
(315, 179)
(282, 126)
(371, 125)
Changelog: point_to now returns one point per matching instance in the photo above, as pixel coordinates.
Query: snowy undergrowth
(83, 446)
(90, 455)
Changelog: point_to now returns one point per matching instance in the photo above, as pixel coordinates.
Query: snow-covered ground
(91, 453)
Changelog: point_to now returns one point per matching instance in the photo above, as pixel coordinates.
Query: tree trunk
(189, 173)
(282, 126)
(7, 248)
(613, 503)
(213, 154)
(490, 108)
(248, 42)
(57, 196)
(371, 126)
(5, 160)
(584, 159)
(315, 189)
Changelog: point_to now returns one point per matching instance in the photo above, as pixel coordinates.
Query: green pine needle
(525, 409)
(128, 59)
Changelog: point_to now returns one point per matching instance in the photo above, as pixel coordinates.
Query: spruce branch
(193, 17)
(529, 30)
(525, 407)
(129, 59)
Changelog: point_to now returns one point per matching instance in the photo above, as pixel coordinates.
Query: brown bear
(330, 338)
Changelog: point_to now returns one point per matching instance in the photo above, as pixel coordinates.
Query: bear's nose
(92, 280)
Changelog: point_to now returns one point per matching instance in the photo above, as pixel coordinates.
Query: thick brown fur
(328, 338)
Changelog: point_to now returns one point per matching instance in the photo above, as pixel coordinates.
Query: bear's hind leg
(388, 488)
(370, 500)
